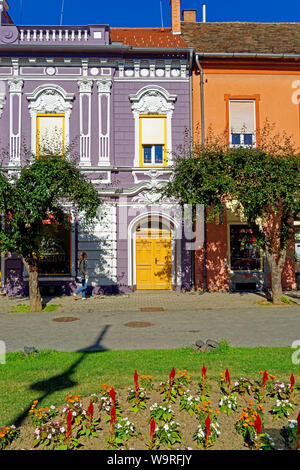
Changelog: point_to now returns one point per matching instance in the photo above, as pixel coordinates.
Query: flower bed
(181, 413)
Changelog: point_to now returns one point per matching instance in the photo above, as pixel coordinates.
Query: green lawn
(50, 375)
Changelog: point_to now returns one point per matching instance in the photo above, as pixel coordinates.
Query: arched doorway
(154, 253)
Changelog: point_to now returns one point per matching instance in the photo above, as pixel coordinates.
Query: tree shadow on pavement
(64, 380)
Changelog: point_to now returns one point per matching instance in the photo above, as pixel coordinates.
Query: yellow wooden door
(153, 260)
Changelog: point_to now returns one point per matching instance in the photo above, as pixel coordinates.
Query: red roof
(147, 37)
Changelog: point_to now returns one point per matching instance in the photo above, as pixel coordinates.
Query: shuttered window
(242, 123)
(153, 140)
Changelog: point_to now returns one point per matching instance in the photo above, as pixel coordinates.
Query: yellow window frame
(164, 144)
(38, 132)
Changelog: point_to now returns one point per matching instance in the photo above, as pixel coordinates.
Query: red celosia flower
(152, 428)
(227, 376)
(258, 424)
(69, 423)
(298, 424)
(172, 375)
(136, 380)
(204, 371)
(292, 380)
(207, 426)
(113, 415)
(265, 378)
(112, 394)
(90, 411)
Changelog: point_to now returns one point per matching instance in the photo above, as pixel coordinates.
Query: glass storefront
(244, 254)
(56, 248)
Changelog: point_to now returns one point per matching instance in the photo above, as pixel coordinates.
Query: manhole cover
(65, 319)
(138, 324)
(152, 309)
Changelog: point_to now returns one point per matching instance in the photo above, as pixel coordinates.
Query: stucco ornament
(2, 102)
(104, 85)
(50, 99)
(8, 34)
(15, 85)
(152, 195)
(85, 85)
(153, 99)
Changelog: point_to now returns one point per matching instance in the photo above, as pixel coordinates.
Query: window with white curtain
(50, 134)
(242, 123)
(153, 140)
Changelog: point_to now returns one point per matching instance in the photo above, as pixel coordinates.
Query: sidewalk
(150, 320)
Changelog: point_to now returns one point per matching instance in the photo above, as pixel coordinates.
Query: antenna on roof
(62, 12)
(203, 13)
(161, 16)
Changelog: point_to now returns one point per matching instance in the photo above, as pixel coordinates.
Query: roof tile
(276, 38)
(147, 37)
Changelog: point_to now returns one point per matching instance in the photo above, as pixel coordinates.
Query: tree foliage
(261, 185)
(46, 187)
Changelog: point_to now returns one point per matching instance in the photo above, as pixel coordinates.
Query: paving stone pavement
(180, 319)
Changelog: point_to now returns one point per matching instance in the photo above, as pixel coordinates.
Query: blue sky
(140, 13)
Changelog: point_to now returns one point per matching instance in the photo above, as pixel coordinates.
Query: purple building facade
(122, 108)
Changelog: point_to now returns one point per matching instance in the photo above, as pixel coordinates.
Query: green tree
(47, 187)
(260, 185)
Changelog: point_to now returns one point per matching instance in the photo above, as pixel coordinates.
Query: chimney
(189, 16)
(176, 18)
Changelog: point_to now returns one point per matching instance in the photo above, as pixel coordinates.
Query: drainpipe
(203, 144)
(193, 286)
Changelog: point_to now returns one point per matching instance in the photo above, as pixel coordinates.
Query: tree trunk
(276, 264)
(34, 289)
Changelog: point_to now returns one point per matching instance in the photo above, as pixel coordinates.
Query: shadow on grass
(64, 380)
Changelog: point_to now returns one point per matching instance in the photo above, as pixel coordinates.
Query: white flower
(74, 413)
(49, 436)
(37, 431)
(52, 407)
(62, 429)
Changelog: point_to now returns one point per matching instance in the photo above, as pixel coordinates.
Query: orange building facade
(244, 75)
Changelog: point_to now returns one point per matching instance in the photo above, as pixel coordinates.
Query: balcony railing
(57, 34)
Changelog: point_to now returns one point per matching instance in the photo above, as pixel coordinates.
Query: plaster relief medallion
(8, 34)
(160, 72)
(144, 72)
(175, 72)
(50, 70)
(129, 72)
(94, 71)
